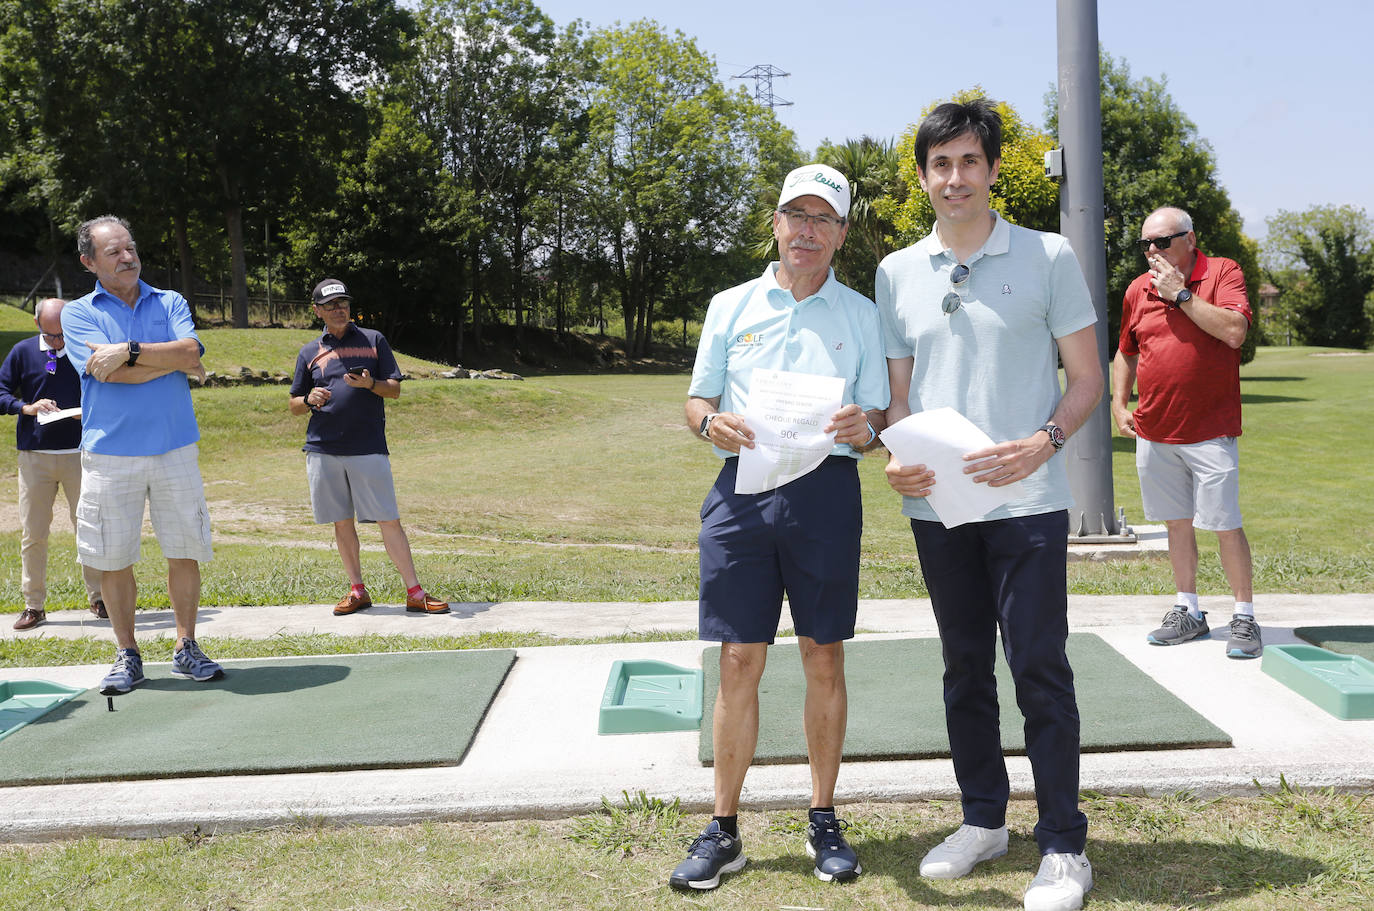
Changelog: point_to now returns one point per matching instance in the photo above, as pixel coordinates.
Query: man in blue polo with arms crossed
(134, 347)
(801, 538)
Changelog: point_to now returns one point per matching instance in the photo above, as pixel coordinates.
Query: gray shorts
(342, 487)
(1198, 481)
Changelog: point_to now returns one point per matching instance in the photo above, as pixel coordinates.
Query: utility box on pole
(1078, 166)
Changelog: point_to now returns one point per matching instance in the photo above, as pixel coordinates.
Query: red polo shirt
(1188, 381)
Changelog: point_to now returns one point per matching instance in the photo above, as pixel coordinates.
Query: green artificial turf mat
(1348, 640)
(897, 711)
(266, 716)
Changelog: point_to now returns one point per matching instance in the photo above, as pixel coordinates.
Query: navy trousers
(1007, 574)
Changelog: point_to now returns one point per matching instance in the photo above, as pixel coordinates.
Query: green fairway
(589, 488)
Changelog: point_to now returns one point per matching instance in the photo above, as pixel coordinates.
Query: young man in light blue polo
(800, 539)
(976, 317)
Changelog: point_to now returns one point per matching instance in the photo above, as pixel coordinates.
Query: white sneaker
(957, 854)
(1061, 883)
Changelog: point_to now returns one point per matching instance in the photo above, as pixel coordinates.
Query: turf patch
(897, 710)
(1348, 640)
(267, 716)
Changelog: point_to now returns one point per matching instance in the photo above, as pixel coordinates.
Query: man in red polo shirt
(1182, 325)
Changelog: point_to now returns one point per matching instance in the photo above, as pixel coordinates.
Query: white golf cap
(817, 180)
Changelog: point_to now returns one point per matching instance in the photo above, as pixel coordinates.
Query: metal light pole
(1081, 217)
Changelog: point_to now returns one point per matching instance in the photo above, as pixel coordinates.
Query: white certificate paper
(47, 417)
(786, 411)
(939, 439)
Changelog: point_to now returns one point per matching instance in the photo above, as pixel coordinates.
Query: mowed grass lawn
(588, 488)
(1283, 851)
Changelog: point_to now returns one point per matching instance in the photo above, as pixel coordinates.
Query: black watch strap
(134, 350)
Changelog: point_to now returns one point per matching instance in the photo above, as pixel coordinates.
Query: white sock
(1190, 600)
(1245, 609)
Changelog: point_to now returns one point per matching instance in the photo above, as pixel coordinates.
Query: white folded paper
(47, 417)
(786, 411)
(939, 439)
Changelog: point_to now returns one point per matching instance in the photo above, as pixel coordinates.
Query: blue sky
(1281, 90)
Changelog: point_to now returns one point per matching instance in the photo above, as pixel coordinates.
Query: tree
(496, 86)
(676, 163)
(157, 108)
(388, 231)
(1022, 192)
(872, 168)
(1152, 156)
(1322, 261)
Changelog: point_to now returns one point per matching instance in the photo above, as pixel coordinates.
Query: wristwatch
(134, 350)
(1182, 297)
(705, 429)
(1056, 435)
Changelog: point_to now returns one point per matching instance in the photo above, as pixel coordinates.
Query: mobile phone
(355, 372)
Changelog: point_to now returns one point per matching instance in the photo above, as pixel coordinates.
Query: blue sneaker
(711, 854)
(826, 845)
(190, 662)
(126, 674)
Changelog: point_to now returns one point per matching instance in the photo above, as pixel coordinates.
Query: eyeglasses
(1160, 242)
(796, 218)
(52, 336)
(958, 281)
(339, 303)
(51, 365)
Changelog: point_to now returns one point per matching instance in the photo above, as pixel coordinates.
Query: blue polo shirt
(131, 419)
(834, 332)
(353, 421)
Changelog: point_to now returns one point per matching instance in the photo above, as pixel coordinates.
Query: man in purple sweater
(37, 378)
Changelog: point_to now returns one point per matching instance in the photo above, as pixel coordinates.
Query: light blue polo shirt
(994, 360)
(131, 419)
(834, 332)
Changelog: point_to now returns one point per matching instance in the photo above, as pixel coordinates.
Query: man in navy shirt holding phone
(341, 379)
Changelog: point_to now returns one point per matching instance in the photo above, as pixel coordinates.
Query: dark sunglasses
(1160, 242)
(958, 278)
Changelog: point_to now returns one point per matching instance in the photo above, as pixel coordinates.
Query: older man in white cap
(800, 539)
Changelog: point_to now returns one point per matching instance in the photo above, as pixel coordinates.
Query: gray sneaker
(1245, 638)
(126, 674)
(190, 662)
(1179, 626)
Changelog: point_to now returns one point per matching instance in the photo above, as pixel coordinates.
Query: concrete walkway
(538, 753)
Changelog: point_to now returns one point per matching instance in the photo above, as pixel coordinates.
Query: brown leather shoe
(98, 608)
(426, 604)
(31, 618)
(351, 603)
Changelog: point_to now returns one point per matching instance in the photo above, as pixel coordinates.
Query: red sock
(415, 591)
(359, 589)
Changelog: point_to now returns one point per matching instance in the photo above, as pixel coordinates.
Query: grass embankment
(588, 488)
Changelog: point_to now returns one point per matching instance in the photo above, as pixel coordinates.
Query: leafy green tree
(1152, 156)
(1322, 261)
(159, 108)
(1022, 193)
(872, 167)
(677, 163)
(388, 230)
(497, 87)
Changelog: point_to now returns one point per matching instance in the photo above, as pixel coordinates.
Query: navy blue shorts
(801, 539)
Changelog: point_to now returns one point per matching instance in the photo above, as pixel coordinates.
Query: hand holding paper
(787, 412)
(939, 439)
